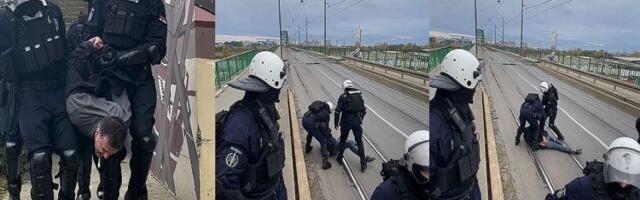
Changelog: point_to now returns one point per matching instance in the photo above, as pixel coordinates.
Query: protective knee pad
(70, 158)
(13, 147)
(42, 184)
(144, 145)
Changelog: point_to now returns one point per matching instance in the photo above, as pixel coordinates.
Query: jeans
(553, 143)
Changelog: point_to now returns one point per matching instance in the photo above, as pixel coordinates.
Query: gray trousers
(86, 110)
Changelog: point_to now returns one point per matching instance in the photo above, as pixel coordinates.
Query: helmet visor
(623, 166)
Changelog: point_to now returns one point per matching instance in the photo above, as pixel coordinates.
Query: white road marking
(368, 107)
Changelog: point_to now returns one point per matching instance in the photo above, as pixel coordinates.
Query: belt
(42, 85)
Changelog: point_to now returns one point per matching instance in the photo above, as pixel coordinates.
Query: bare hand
(97, 42)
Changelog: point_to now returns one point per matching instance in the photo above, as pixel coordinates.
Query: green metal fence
(437, 55)
(526, 52)
(230, 67)
(626, 72)
(629, 73)
(410, 61)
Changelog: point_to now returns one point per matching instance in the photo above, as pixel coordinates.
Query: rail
(401, 71)
(229, 67)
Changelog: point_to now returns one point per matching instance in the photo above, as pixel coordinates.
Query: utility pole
(299, 34)
(280, 33)
(502, 30)
(325, 27)
(521, 25)
(495, 29)
(306, 31)
(475, 15)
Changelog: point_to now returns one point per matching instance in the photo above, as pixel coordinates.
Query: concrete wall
(71, 9)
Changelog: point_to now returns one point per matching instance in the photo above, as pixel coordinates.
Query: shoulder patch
(232, 159)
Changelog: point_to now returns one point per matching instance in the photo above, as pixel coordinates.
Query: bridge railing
(410, 61)
(229, 67)
(437, 55)
(626, 72)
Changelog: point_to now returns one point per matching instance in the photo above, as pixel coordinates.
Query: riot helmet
(623, 162)
(463, 67)
(266, 71)
(416, 156)
(347, 84)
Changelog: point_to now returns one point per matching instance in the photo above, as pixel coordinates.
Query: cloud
(379, 19)
(610, 23)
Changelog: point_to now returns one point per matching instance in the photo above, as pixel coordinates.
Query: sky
(612, 25)
(394, 22)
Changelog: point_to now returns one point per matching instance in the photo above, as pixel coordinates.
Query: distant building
(554, 41)
(635, 60)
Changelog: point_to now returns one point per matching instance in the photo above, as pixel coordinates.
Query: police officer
(39, 61)
(134, 25)
(8, 119)
(618, 178)
(250, 155)
(550, 104)
(455, 157)
(532, 113)
(349, 115)
(74, 38)
(412, 180)
(316, 123)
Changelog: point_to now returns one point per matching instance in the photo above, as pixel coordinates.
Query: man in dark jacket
(352, 109)
(550, 104)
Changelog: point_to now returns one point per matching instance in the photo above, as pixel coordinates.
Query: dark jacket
(87, 75)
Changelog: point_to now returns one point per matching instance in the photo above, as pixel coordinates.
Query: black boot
(339, 159)
(363, 165)
(308, 148)
(517, 141)
(140, 165)
(369, 159)
(557, 131)
(325, 163)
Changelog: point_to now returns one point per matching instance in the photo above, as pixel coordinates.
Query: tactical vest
(354, 101)
(39, 45)
(267, 170)
(465, 162)
(125, 23)
(401, 187)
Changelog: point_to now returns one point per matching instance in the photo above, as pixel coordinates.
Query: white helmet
(266, 70)
(416, 155)
(544, 86)
(330, 105)
(463, 67)
(623, 162)
(347, 84)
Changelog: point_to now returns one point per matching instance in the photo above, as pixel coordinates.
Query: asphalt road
(585, 121)
(391, 116)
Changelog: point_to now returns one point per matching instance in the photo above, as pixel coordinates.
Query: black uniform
(8, 119)
(401, 186)
(454, 147)
(250, 154)
(550, 104)
(592, 186)
(349, 114)
(135, 25)
(39, 59)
